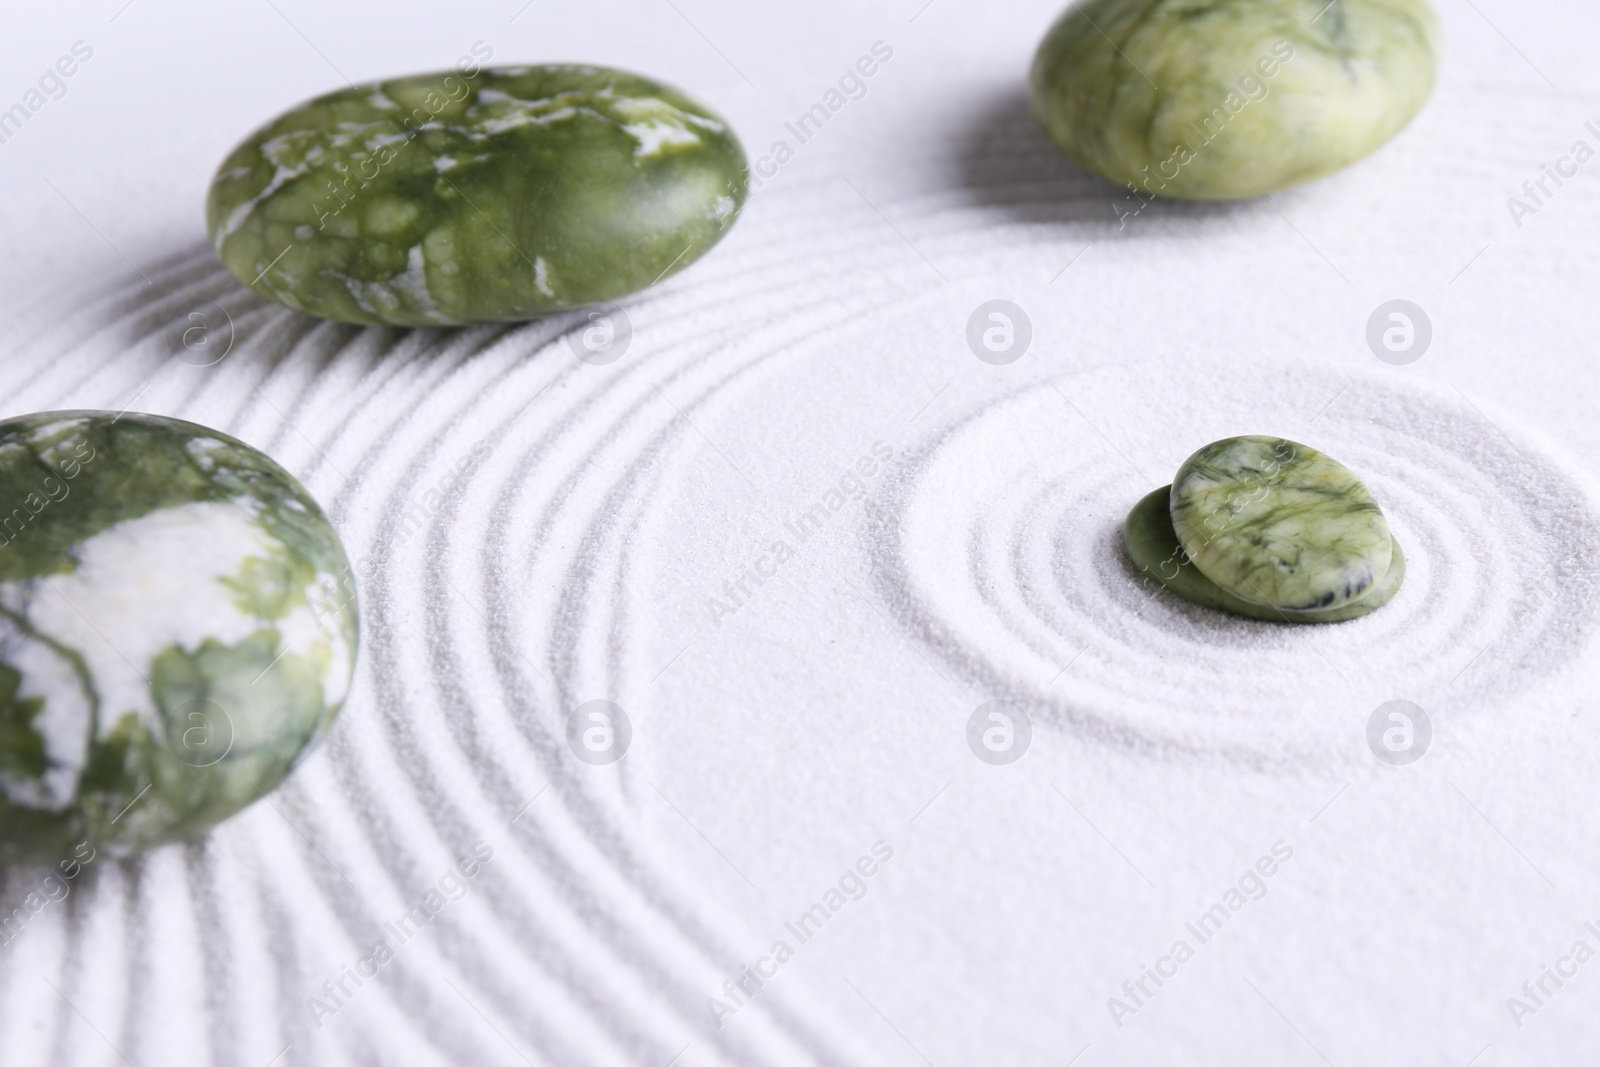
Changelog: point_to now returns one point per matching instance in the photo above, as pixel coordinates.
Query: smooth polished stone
(1226, 99)
(473, 196)
(1277, 523)
(1153, 547)
(177, 629)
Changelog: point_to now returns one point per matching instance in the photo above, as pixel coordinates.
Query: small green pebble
(1226, 99)
(1153, 547)
(1277, 523)
(475, 196)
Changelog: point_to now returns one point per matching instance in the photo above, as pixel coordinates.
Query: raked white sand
(537, 532)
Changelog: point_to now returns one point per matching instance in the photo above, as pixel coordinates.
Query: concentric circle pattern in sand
(1007, 558)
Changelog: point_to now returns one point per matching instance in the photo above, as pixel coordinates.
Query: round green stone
(1276, 523)
(1225, 99)
(1153, 547)
(474, 196)
(177, 629)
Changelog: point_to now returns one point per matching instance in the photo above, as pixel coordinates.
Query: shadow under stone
(1005, 162)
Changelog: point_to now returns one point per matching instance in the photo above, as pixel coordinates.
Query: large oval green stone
(1276, 523)
(465, 197)
(177, 628)
(1224, 99)
(1153, 547)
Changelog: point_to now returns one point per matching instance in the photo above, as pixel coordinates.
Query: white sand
(775, 746)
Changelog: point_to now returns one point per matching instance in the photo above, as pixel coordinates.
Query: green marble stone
(1153, 547)
(1226, 99)
(474, 196)
(1277, 523)
(177, 629)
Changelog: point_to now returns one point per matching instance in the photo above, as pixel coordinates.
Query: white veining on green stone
(177, 629)
(1277, 523)
(149, 584)
(431, 199)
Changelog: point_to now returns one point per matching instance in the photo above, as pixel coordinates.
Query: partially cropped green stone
(1279, 524)
(473, 196)
(177, 629)
(1226, 99)
(1153, 547)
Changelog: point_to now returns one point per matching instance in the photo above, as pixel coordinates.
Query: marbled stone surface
(473, 195)
(177, 628)
(1225, 99)
(1277, 523)
(1153, 547)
